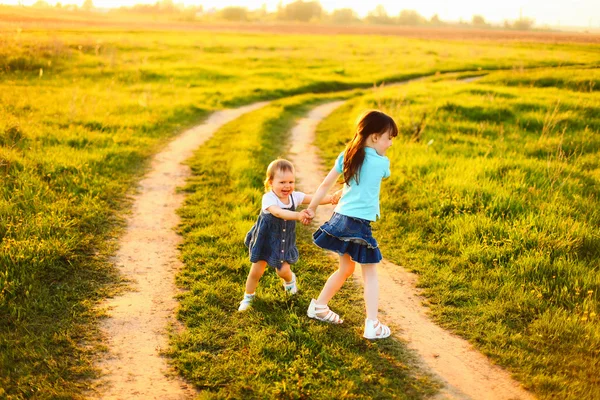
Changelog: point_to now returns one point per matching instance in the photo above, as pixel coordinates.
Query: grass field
(493, 201)
(273, 350)
(82, 110)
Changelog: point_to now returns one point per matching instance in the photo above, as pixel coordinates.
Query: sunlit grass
(578, 80)
(273, 350)
(81, 112)
(493, 201)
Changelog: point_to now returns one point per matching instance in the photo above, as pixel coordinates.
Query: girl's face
(283, 184)
(382, 142)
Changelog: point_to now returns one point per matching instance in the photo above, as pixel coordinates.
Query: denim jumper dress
(273, 240)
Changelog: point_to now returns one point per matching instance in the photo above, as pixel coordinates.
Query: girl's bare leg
(256, 272)
(371, 292)
(336, 280)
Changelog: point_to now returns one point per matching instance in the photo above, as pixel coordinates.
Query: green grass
(81, 112)
(576, 80)
(272, 350)
(493, 201)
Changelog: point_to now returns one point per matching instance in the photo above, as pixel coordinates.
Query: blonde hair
(278, 165)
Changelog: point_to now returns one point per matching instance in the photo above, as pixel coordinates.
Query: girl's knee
(369, 270)
(346, 271)
(346, 266)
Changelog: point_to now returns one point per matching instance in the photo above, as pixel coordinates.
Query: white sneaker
(246, 302)
(291, 288)
(376, 330)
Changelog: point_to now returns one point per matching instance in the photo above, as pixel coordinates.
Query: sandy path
(466, 373)
(148, 256)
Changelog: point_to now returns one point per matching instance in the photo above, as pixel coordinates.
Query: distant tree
(262, 12)
(523, 24)
(58, 5)
(167, 6)
(478, 20)
(410, 17)
(141, 8)
(379, 16)
(300, 10)
(234, 13)
(435, 20)
(41, 4)
(88, 5)
(344, 16)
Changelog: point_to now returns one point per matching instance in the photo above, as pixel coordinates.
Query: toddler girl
(272, 239)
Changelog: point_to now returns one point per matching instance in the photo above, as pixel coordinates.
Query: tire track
(136, 329)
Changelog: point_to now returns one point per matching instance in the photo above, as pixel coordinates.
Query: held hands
(335, 198)
(306, 216)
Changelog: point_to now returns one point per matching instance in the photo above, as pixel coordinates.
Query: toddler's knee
(285, 270)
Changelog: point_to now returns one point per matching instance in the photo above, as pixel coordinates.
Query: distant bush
(301, 11)
(411, 18)
(234, 13)
(344, 15)
(478, 21)
(88, 5)
(163, 6)
(523, 24)
(436, 21)
(379, 16)
(41, 4)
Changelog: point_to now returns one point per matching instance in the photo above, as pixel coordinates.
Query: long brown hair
(368, 123)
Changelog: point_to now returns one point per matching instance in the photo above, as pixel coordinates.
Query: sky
(580, 13)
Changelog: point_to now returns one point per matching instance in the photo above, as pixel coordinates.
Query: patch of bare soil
(136, 330)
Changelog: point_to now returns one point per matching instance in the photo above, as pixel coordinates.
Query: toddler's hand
(305, 217)
(335, 198)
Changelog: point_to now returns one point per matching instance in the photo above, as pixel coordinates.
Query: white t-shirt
(270, 199)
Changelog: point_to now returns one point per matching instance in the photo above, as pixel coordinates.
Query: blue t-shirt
(362, 200)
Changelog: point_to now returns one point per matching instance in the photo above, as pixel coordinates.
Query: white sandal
(329, 317)
(371, 328)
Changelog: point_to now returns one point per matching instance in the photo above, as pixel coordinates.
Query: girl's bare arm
(326, 200)
(321, 192)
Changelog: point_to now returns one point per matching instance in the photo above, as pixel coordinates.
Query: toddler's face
(283, 184)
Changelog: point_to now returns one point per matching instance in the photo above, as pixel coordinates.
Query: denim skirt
(349, 235)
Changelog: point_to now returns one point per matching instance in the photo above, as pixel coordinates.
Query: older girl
(363, 165)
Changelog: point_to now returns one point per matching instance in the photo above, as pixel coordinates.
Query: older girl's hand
(335, 198)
